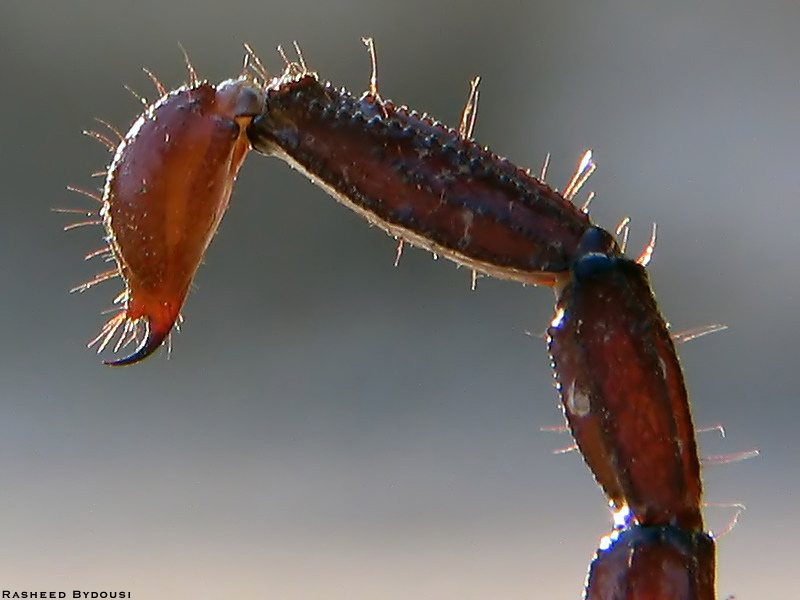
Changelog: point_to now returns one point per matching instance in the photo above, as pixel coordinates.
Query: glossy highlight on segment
(653, 563)
(620, 381)
(623, 393)
(617, 372)
(165, 194)
(624, 399)
(419, 180)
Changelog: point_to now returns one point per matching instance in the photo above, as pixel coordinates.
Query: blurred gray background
(329, 426)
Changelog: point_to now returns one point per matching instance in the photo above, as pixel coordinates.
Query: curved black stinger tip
(151, 342)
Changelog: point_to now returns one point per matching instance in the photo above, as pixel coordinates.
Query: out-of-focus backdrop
(331, 427)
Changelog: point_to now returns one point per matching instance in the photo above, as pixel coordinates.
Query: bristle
(545, 165)
(94, 196)
(118, 321)
(104, 329)
(125, 328)
(109, 328)
(286, 60)
(554, 428)
(100, 138)
(681, 337)
(256, 64)
(162, 91)
(193, 79)
(622, 225)
(100, 278)
(586, 166)
(400, 243)
(373, 77)
(129, 325)
(739, 508)
(470, 113)
(624, 228)
(136, 95)
(132, 335)
(105, 250)
(585, 206)
(566, 449)
(72, 226)
(300, 57)
(732, 457)
(121, 297)
(111, 128)
(716, 427)
(74, 211)
(647, 252)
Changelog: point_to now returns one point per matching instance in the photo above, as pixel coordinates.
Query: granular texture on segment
(420, 181)
(165, 194)
(623, 394)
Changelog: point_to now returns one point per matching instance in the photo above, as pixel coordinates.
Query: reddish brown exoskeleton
(619, 377)
(418, 180)
(620, 380)
(653, 563)
(626, 404)
(165, 193)
(623, 392)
